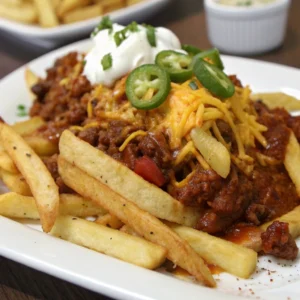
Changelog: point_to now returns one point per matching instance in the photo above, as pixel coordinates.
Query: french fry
(75, 205)
(232, 258)
(109, 241)
(129, 230)
(68, 5)
(117, 176)
(29, 126)
(132, 2)
(110, 8)
(7, 164)
(108, 2)
(25, 13)
(55, 4)
(13, 205)
(35, 173)
(26, 207)
(149, 227)
(30, 79)
(293, 218)
(109, 221)
(16, 183)
(12, 2)
(84, 13)
(273, 100)
(254, 242)
(292, 161)
(111, 5)
(46, 14)
(41, 145)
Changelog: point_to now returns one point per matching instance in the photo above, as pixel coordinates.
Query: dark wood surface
(186, 18)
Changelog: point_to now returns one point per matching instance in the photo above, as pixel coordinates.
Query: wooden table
(186, 18)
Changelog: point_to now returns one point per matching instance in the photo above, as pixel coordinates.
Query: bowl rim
(242, 10)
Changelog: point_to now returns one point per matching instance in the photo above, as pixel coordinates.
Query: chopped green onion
(84, 62)
(21, 110)
(193, 85)
(105, 23)
(151, 36)
(119, 37)
(122, 35)
(106, 62)
(133, 27)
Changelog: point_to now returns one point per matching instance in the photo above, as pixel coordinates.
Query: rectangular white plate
(109, 276)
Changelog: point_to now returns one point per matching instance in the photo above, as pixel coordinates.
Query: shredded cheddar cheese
(76, 128)
(183, 182)
(90, 125)
(131, 137)
(90, 109)
(64, 81)
(188, 148)
(218, 135)
(183, 110)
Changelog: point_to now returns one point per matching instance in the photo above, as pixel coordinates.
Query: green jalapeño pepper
(178, 65)
(213, 79)
(212, 56)
(147, 86)
(191, 50)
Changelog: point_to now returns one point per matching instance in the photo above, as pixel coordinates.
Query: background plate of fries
(273, 279)
(61, 20)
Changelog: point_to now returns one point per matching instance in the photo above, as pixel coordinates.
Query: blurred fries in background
(51, 13)
(46, 13)
(83, 13)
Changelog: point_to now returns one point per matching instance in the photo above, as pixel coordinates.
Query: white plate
(139, 12)
(121, 280)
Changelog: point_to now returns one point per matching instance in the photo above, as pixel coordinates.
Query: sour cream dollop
(133, 52)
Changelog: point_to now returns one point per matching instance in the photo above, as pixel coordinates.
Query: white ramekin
(246, 30)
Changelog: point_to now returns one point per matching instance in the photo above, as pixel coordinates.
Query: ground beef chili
(278, 132)
(51, 164)
(61, 103)
(278, 242)
(268, 192)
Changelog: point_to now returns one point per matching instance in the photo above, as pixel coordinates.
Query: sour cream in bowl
(249, 3)
(246, 27)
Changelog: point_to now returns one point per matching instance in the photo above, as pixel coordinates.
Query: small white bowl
(246, 30)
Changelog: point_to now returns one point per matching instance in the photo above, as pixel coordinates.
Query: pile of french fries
(133, 220)
(51, 13)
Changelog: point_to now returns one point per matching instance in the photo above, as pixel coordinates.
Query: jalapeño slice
(147, 86)
(177, 64)
(212, 78)
(212, 56)
(190, 49)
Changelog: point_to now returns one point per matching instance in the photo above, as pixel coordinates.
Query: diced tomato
(147, 168)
